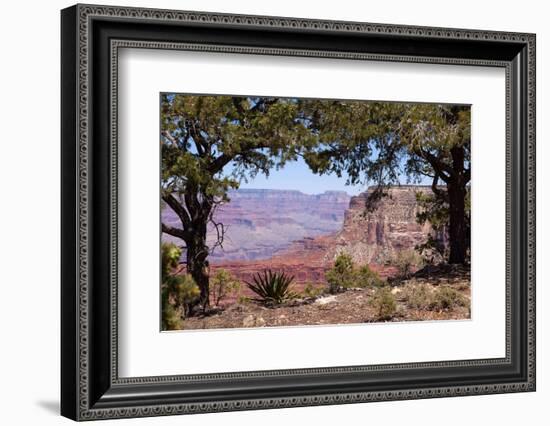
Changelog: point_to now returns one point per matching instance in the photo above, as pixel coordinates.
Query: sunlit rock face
(371, 236)
(377, 234)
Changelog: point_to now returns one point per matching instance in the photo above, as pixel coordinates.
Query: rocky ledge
(373, 236)
(414, 300)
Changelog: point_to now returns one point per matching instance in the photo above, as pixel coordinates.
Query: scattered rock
(260, 322)
(325, 300)
(249, 321)
(253, 321)
(349, 307)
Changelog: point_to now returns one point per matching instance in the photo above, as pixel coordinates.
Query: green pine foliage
(179, 291)
(222, 284)
(341, 275)
(434, 209)
(418, 297)
(446, 297)
(311, 290)
(344, 275)
(423, 297)
(211, 144)
(406, 261)
(381, 143)
(384, 303)
(366, 277)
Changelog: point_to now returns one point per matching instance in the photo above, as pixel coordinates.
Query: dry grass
(443, 296)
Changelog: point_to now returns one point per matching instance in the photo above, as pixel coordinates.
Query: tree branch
(192, 203)
(220, 234)
(178, 209)
(435, 189)
(439, 166)
(175, 232)
(264, 103)
(237, 105)
(170, 138)
(219, 163)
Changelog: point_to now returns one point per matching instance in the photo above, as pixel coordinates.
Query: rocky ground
(433, 293)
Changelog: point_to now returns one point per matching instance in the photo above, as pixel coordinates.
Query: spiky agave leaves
(273, 288)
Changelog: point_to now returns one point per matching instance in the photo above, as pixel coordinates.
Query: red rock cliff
(377, 235)
(370, 237)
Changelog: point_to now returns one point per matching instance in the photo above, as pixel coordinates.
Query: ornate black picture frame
(91, 36)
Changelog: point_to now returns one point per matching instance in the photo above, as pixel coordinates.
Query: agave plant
(272, 287)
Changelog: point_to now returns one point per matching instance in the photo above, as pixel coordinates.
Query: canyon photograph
(281, 212)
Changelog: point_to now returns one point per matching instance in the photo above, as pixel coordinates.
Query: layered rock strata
(260, 223)
(371, 236)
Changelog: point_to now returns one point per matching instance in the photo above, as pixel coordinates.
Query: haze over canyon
(302, 234)
(263, 222)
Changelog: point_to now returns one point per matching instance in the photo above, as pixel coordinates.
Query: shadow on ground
(50, 406)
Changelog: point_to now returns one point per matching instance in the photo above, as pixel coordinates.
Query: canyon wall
(373, 237)
(262, 222)
(390, 226)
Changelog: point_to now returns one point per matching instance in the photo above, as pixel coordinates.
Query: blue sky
(297, 175)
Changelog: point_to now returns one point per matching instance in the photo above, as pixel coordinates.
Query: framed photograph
(263, 212)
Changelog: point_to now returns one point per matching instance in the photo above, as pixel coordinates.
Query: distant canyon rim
(302, 234)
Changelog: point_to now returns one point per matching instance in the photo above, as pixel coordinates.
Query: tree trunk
(457, 223)
(194, 219)
(197, 265)
(458, 229)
